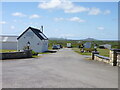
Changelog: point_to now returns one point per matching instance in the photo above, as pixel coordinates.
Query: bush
(34, 53)
(88, 49)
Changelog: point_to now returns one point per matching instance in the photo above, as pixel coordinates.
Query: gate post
(113, 56)
(93, 54)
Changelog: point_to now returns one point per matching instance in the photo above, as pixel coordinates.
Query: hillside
(90, 39)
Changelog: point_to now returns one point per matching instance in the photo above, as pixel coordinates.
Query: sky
(62, 19)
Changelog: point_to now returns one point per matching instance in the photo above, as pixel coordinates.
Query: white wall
(36, 44)
(45, 45)
(9, 45)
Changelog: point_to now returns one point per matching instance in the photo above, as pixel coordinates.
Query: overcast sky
(62, 19)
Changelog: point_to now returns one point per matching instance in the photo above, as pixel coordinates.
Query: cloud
(69, 7)
(34, 16)
(2, 22)
(76, 10)
(19, 14)
(12, 27)
(76, 19)
(59, 19)
(50, 5)
(65, 5)
(106, 12)
(94, 11)
(100, 28)
(73, 19)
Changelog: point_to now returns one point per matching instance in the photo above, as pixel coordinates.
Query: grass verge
(44, 53)
(103, 52)
(77, 50)
(2, 51)
(35, 56)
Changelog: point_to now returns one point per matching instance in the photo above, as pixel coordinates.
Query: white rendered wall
(36, 44)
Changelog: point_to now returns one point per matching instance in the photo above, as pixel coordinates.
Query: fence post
(93, 54)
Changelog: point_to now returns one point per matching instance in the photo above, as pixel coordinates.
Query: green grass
(35, 56)
(103, 52)
(50, 48)
(44, 53)
(77, 50)
(1, 51)
(85, 53)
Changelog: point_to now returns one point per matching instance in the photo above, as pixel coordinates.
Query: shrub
(88, 49)
(34, 53)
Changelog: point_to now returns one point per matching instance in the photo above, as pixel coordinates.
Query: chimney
(42, 28)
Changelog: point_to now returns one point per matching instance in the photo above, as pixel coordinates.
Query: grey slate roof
(37, 32)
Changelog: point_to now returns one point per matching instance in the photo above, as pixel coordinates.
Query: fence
(113, 59)
(16, 55)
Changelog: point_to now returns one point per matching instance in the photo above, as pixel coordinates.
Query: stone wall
(118, 59)
(113, 59)
(102, 58)
(114, 56)
(16, 55)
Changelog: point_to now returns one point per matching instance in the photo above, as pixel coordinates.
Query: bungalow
(8, 42)
(34, 38)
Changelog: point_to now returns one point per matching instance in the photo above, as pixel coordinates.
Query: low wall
(16, 55)
(102, 58)
(114, 58)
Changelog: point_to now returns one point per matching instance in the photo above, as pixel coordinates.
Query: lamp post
(28, 45)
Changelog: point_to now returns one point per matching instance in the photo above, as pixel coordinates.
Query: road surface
(64, 69)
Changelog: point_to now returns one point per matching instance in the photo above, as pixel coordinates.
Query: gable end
(37, 32)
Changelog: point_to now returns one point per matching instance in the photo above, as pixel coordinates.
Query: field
(104, 52)
(75, 43)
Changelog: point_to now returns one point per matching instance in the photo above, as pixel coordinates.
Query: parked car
(61, 46)
(55, 47)
(58, 46)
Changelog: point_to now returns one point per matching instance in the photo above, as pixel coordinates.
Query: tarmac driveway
(64, 69)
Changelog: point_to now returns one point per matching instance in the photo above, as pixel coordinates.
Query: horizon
(77, 20)
(55, 38)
